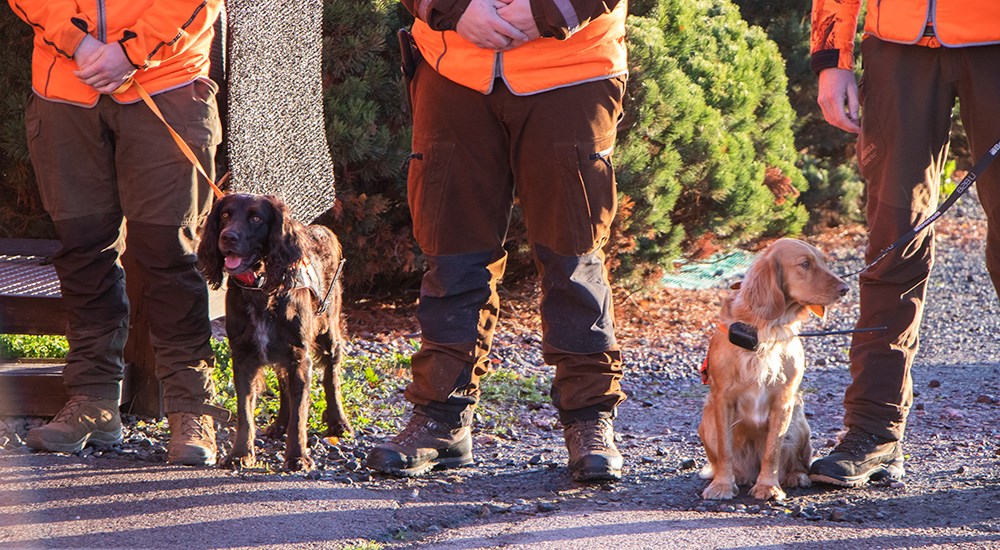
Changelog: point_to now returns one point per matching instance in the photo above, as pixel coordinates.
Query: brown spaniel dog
(282, 309)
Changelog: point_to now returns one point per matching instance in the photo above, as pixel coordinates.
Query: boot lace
(192, 427)
(415, 430)
(858, 443)
(71, 408)
(594, 435)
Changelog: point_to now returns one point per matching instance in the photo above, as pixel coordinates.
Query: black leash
(745, 336)
(325, 304)
(960, 190)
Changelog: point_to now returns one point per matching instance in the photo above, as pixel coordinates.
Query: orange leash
(177, 138)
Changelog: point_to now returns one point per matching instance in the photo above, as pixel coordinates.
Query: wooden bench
(31, 303)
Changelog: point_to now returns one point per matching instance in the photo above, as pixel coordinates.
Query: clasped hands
(498, 24)
(103, 67)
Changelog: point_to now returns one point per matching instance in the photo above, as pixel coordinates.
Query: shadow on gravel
(735, 532)
(58, 501)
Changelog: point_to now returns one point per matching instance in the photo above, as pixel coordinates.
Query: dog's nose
(842, 289)
(228, 238)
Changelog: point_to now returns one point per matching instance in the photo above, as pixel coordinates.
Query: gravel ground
(953, 477)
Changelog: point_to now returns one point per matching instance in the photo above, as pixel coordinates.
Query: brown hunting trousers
(907, 95)
(472, 154)
(96, 168)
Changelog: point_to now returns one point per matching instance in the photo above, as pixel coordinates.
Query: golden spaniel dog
(753, 427)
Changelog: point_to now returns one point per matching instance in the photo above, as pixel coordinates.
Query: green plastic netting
(718, 271)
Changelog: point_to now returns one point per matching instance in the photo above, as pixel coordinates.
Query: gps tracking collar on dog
(745, 336)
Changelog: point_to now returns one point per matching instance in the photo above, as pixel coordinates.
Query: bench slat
(31, 388)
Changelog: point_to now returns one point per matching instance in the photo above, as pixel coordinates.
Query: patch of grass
(14, 346)
(371, 389)
(372, 386)
(364, 545)
(507, 393)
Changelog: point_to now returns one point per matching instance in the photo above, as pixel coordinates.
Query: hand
(106, 69)
(518, 13)
(86, 50)
(838, 97)
(481, 25)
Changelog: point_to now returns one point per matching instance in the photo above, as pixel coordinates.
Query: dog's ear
(762, 290)
(210, 260)
(285, 247)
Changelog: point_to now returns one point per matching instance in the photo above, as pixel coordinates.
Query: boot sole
(94, 439)
(192, 460)
(417, 471)
(893, 471)
(584, 476)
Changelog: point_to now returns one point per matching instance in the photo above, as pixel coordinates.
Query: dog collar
(248, 280)
(703, 369)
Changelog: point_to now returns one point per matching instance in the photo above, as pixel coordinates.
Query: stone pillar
(277, 133)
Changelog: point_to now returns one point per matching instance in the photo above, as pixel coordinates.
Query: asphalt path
(65, 501)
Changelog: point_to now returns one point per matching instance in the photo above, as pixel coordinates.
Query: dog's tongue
(818, 311)
(232, 262)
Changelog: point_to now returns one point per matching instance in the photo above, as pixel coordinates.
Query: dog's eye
(256, 219)
(224, 215)
(806, 264)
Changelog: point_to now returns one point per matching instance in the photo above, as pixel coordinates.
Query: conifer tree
(706, 154)
(368, 131)
(21, 212)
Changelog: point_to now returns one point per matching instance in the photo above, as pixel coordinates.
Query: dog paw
(299, 463)
(719, 490)
(800, 479)
(340, 429)
(275, 431)
(239, 462)
(767, 492)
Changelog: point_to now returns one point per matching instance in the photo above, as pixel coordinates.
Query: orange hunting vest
(956, 22)
(595, 52)
(168, 42)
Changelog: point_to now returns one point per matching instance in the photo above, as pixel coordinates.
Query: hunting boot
(859, 457)
(423, 445)
(192, 439)
(82, 420)
(592, 452)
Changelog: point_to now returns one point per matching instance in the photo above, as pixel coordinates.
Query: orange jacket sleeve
(63, 26)
(168, 28)
(834, 28)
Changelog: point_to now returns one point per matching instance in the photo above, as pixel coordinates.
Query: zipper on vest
(102, 22)
(497, 65)
(931, 16)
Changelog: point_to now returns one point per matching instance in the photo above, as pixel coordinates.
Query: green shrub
(369, 135)
(21, 212)
(13, 346)
(706, 156)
